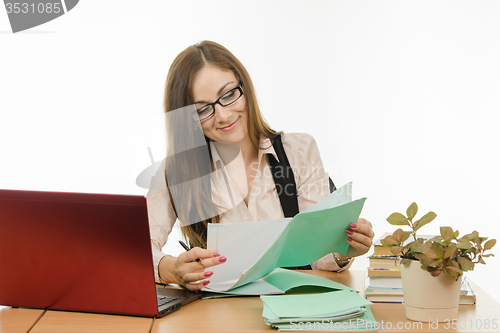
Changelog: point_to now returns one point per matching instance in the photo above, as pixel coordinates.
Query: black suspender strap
(332, 185)
(284, 179)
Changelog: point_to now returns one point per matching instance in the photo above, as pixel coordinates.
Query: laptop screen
(76, 251)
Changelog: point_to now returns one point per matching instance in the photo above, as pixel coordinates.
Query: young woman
(209, 77)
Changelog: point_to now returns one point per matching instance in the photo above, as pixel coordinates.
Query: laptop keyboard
(162, 300)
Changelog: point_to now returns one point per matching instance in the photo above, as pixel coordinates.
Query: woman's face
(228, 123)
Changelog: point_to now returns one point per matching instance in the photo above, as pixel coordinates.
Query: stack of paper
(341, 310)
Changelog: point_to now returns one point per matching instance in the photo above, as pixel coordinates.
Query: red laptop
(80, 252)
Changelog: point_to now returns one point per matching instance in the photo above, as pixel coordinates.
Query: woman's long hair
(178, 94)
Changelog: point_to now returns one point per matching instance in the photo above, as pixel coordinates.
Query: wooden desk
(244, 314)
(240, 314)
(77, 322)
(18, 320)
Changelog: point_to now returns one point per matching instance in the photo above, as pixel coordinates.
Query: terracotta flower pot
(429, 298)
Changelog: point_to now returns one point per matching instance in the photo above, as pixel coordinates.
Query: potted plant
(431, 287)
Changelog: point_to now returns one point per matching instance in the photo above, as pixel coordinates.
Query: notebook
(80, 252)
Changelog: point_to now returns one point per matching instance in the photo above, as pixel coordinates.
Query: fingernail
(208, 273)
(349, 232)
(222, 259)
(349, 240)
(353, 225)
(206, 282)
(216, 254)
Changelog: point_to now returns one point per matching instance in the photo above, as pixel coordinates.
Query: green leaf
(465, 264)
(489, 244)
(464, 245)
(473, 235)
(453, 272)
(454, 264)
(412, 211)
(427, 218)
(449, 251)
(431, 254)
(426, 262)
(456, 234)
(439, 249)
(389, 241)
(396, 250)
(446, 232)
(420, 248)
(411, 244)
(435, 239)
(401, 235)
(455, 254)
(464, 239)
(406, 235)
(397, 219)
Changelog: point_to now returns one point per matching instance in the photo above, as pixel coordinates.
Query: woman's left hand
(360, 238)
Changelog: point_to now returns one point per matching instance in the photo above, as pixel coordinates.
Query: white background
(402, 97)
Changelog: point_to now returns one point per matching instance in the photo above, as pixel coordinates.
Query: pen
(187, 249)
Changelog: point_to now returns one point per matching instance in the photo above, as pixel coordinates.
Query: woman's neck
(249, 152)
(229, 151)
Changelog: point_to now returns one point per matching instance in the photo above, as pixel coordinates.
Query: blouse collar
(265, 145)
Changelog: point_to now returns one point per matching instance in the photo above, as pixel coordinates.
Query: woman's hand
(186, 271)
(360, 238)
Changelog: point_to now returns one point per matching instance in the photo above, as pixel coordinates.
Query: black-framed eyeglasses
(227, 99)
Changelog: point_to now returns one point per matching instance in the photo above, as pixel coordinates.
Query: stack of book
(395, 295)
(384, 282)
(383, 275)
(383, 272)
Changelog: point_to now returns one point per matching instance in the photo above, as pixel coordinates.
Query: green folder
(282, 281)
(310, 235)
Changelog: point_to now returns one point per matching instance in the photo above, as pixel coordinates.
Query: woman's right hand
(186, 271)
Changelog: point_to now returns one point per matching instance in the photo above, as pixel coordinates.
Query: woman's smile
(230, 127)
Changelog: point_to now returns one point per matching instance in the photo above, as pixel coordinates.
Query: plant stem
(413, 233)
